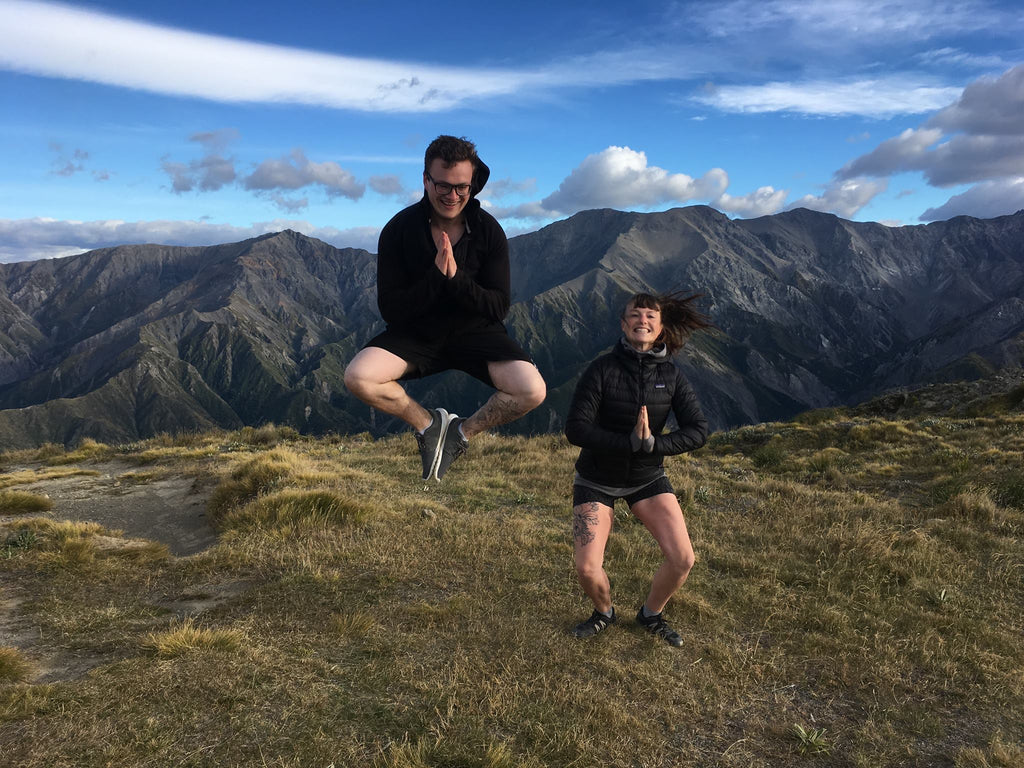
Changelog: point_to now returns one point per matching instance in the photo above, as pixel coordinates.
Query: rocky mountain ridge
(811, 311)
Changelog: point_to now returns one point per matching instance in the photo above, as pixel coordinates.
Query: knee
(681, 562)
(353, 380)
(534, 393)
(588, 570)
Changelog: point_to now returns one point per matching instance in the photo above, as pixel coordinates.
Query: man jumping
(443, 290)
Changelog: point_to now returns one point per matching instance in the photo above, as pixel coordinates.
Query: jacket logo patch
(659, 386)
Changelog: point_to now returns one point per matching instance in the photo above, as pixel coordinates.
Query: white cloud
(908, 151)
(298, 171)
(762, 202)
(507, 186)
(28, 239)
(827, 23)
(985, 200)
(989, 106)
(53, 40)
(844, 198)
(977, 139)
(290, 204)
(387, 185)
(619, 177)
(870, 97)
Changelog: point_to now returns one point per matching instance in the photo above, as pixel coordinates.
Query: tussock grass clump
(14, 667)
(28, 476)
(23, 502)
(62, 543)
(975, 505)
(264, 436)
(86, 450)
(297, 510)
(259, 475)
(188, 637)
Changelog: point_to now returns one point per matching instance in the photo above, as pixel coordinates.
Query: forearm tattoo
(584, 520)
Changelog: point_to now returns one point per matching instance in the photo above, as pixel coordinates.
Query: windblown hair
(679, 316)
(450, 150)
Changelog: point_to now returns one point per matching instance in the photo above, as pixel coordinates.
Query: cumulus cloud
(844, 198)
(761, 202)
(981, 200)
(988, 106)
(877, 97)
(619, 177)
(290, 204)
(503, 187)
(978, 139)
(297, 171)
(28, 239)
(208, 173)
(390, 186)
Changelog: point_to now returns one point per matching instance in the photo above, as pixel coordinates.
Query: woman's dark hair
(679, 316)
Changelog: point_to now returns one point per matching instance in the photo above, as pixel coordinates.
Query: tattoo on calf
(584, 520)
(500, 409)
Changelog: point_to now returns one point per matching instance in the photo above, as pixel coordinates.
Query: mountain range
(810, 310)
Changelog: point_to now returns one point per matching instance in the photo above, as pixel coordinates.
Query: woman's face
(641, 326)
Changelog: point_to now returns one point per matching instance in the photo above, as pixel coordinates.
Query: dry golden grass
(858, 577)
(23, 502)
(14, 667)
(190, 638)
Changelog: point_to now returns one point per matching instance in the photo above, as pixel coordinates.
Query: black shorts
(468, 351)
(581, 494)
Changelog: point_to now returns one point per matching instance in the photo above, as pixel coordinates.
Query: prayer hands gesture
(643, 426)
(445, 259)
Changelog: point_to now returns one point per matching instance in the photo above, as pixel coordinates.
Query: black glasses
(443, 188)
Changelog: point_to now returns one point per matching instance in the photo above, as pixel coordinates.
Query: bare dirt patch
(169, 509)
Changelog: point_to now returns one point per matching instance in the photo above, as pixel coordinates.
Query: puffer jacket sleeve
(692, 427)
(582, 425)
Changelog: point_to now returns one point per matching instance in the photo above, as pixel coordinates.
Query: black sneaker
(657, 625)
(453, 446)
(431, 440)
(597, 622)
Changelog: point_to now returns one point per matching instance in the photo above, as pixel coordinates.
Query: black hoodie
(415, 297)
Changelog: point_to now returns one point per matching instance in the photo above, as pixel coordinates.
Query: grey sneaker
(597, 622)
(657, 626)
(453, 446)
(431, 440)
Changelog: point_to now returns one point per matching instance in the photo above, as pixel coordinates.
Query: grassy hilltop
(857, 601)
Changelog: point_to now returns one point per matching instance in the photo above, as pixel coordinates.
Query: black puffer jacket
(604, 411)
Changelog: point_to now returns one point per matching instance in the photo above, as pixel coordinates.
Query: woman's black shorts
(581, 494)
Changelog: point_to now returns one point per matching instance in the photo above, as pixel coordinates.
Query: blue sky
(196, 123)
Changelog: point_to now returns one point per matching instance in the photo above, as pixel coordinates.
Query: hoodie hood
(480, 177)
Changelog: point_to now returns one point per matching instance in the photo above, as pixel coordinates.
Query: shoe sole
(436, 459)
(452, 417)
(448, 418)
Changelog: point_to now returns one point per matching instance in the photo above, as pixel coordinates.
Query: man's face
(450, 205)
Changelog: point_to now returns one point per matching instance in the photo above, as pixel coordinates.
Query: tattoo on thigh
(584, 520)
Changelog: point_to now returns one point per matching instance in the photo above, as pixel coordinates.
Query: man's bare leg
(520, 389)
(373, 376)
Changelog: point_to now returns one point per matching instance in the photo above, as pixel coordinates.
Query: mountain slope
(811, 311)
